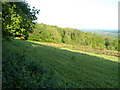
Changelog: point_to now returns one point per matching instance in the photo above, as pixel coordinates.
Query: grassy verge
(29, 64)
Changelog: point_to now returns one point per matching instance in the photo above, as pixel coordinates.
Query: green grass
(108, 57)
(32, 65)
(81, 50)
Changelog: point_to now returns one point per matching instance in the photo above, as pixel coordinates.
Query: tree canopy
(48, 33)
(17, 18)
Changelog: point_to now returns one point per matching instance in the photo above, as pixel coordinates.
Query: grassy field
(33, 65)
(106, 54)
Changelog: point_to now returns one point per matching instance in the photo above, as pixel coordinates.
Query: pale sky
(81, 14)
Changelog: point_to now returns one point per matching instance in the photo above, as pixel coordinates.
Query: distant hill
(110, 33)
(48, 33)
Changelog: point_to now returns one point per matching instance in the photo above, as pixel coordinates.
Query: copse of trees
(47, 33)
(17, 19)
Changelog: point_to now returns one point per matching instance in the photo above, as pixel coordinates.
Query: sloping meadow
(32, 65)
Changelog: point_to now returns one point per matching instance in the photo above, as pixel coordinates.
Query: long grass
(33, 65)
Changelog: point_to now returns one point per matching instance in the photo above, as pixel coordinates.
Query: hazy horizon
(80, 28)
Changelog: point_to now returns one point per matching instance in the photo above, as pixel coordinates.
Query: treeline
(47, 33)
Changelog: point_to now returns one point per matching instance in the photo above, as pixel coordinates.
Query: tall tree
(18, 18)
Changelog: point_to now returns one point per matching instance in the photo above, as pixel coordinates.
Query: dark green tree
(17, 18)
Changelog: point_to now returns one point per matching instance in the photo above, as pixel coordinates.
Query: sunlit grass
(108, 57)
(68, 47)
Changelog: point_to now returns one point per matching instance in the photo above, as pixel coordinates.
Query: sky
(80, 14)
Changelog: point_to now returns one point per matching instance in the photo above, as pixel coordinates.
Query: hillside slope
(47, 33)
(32, 65)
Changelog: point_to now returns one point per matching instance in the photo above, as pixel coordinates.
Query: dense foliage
(47, 33)
(17, 18)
